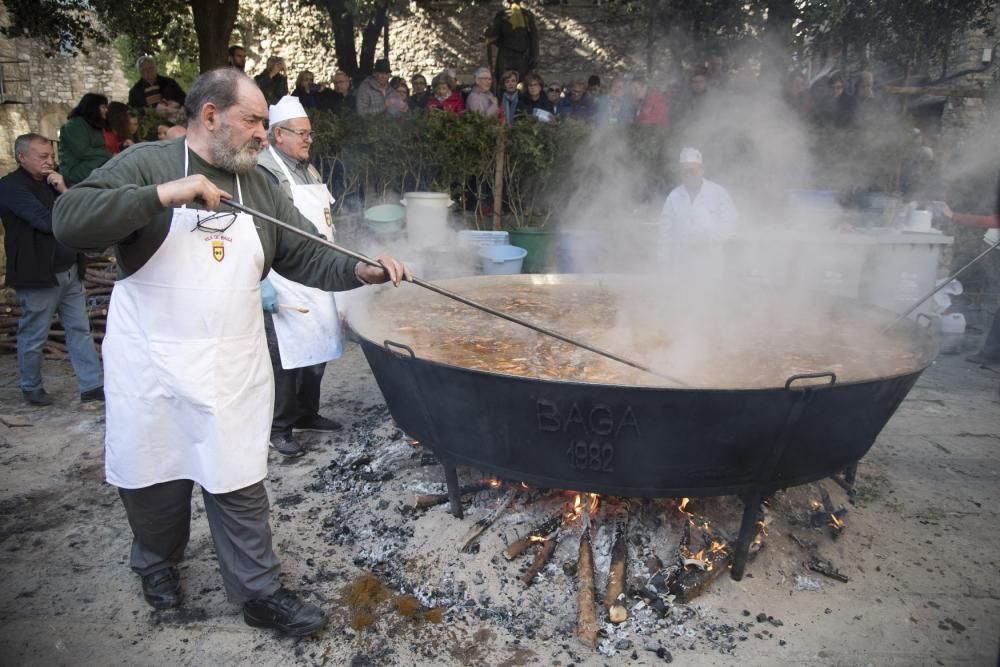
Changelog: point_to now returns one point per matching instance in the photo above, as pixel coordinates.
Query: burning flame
(495, 483)
(524, 486)
(682, 506)
(413, 442)
(835, 522)
(536, 538)
(578, 505)
(717, 546)
(815, 505)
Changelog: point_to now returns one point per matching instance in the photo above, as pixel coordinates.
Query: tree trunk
(342, 22)
(369, 39)
(213, 22)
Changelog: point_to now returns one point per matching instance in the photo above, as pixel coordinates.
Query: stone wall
(54, 85)
(574, 40)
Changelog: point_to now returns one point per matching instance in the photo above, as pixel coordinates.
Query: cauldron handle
(389, 345)
(811, 376)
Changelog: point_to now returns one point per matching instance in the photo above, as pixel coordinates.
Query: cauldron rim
(918, 334)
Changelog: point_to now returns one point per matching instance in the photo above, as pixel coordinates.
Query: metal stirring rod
(451, 295)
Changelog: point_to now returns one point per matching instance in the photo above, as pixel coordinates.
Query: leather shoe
(287, 445)
(316, 424)
(162, 589)
(37, 397)
(95, 394)
(286, 612)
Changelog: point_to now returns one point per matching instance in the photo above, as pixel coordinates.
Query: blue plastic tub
(502, 260)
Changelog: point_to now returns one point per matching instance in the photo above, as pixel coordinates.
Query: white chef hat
(288, 107)
(690, 156)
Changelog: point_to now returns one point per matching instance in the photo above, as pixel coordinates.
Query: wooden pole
(498, 178)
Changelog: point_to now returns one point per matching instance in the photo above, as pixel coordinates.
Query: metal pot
(638, 440)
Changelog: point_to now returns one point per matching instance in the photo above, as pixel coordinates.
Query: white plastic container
(480, 239)
(502, 260)
(952, 333)
(427, 218)
(902, 268)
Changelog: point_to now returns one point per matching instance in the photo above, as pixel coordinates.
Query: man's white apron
(307, 339)
(188, 381)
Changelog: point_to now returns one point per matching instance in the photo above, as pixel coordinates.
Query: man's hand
(186, 190)
(394, 270)
(55, 179)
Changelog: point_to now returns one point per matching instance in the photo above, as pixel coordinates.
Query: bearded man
(188, 381)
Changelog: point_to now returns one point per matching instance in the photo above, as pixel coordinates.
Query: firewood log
(586, 617)
(614, 595)
(541, 558)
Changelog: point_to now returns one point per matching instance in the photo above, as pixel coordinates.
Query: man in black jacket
(45, 273)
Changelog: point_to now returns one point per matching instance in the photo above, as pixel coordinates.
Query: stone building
(576, 39)
(42, 89)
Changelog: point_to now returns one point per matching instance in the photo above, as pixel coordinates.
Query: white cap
(288, 107)
(690, 156)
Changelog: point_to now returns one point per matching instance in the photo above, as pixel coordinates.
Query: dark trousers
(296, 390)
(160, 517)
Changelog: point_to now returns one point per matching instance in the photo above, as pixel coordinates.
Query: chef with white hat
(301, 323)
(698, 215)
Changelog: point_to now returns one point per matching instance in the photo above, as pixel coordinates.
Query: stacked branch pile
(97, 283)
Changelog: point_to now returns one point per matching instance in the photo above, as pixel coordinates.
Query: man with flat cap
(187, 378)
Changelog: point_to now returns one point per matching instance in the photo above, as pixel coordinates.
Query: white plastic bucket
(952, 333)
(502, 260)
(427, 218)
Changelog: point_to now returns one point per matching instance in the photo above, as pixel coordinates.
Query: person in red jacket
(444, 98)
(651, 107)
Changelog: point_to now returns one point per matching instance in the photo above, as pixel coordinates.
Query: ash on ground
(424, 582)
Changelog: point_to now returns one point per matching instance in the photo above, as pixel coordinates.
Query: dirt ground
(920, 550)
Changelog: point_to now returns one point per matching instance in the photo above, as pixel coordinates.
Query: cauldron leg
(454, 495)
(751, 508)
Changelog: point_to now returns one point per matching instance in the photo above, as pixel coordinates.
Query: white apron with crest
(188, 380)
(307, 339)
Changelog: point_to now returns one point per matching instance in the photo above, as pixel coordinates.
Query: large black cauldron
(634, 440)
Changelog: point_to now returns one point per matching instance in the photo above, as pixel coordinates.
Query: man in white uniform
(187, 379)
(299, 343)
(697, 217)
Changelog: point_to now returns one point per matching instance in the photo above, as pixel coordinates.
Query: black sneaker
(287, 445)
(284, 611)
(162, 589)
(37, 397)
(316, 424)
(95, 394)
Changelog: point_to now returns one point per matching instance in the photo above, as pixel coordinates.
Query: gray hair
(271, 128)
(482, 72)
(23, 141)
(218, 87)
(143, 60)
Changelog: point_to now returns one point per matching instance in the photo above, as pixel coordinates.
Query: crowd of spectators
(98, 129)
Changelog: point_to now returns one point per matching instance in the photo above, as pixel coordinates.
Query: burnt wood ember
(692, 580)
(541, 558)
(614, 595)
(531, 538)
(432, 499)
(471, 541)
(586, 617)
(827, 569)
(835, 524)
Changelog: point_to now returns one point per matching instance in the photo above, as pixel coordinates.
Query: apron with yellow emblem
(307, 339)
(188, 380)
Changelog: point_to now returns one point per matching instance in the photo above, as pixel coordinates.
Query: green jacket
(118, 206)
(81, 149)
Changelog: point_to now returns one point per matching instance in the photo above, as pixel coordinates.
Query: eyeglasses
(305, 135)
(554, 90)
(216, 222)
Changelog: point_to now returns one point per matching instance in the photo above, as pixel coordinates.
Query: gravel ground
(920, 552)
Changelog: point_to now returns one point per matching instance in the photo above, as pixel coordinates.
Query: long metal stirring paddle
(451, 295)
